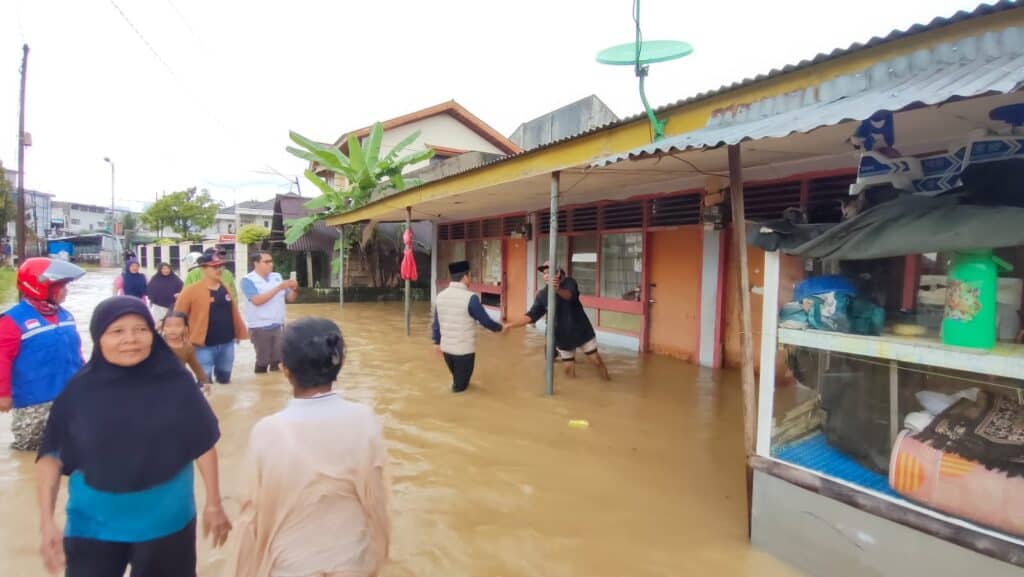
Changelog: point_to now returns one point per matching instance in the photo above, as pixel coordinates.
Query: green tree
(186, 212)
(6, 207)
(252, 234)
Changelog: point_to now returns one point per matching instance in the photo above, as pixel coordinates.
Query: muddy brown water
(494, 482)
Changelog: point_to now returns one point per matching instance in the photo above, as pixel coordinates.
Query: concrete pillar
(309, 270)
(433, 262)
(531, 258)
(711, 281)
(183, 250)
(241, 263)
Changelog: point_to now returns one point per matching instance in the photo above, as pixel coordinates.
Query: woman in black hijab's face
(127, 341)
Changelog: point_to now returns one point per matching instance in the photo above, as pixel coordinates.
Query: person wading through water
(573, 330)
(39, 347)
(213, 319)
(457, 311)
(126, 432)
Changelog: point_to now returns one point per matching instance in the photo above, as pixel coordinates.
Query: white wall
(439, 130)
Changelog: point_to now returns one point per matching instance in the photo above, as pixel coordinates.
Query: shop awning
(910, 224)
(989, 63)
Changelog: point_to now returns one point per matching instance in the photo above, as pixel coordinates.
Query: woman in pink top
(317, 501)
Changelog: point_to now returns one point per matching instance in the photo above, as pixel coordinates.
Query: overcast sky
(203, 92)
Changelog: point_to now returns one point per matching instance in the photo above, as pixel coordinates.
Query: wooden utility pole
(739, 228)
(20, 220)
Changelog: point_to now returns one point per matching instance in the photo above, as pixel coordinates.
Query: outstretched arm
(479, 313)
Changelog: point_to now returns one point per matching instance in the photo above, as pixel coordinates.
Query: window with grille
(674, 210)
(768, 202)
(143, 257)
(825, 197)
(621, 265)
(583, 219)
(457, 231)
(513, 224)
(492, 228)
(443, 232)
(545, 221)
(623, 215)
(472, 229)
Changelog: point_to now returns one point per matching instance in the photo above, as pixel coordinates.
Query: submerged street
(494, 482)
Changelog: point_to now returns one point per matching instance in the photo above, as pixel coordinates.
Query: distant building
(569, 120)
(447, 128)
(232, 218)
(37, 216)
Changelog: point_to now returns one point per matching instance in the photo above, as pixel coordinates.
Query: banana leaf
(371, 152)
(400, 147)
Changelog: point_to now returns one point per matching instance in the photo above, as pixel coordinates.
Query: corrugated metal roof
(985, 64)
(934, 24)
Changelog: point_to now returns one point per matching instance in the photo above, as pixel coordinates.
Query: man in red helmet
(39, 348)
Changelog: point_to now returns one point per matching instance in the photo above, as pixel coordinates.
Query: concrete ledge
(828, 528)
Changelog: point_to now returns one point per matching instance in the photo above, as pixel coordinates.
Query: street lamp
(112, 213)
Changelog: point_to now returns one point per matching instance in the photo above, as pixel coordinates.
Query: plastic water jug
(970, 315)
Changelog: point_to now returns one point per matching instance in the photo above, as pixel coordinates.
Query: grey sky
(229, 78)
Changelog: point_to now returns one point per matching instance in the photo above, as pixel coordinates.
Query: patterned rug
(989, 430)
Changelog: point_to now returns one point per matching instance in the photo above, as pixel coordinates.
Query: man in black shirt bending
(573, 330)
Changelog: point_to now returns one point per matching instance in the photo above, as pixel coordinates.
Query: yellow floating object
(579, 424)
(909, 330)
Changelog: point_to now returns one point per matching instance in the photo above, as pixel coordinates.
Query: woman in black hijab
(126, 431)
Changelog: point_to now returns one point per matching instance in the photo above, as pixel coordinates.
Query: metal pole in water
(408, 283)
(549, 370)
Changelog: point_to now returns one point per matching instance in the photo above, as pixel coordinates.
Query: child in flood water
(317, 496)
(175, 333)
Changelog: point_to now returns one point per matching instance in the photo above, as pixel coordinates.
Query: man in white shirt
(266, 292)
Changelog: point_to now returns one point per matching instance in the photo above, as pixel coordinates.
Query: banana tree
(365, 170)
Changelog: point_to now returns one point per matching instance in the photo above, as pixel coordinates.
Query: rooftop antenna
(641, 55)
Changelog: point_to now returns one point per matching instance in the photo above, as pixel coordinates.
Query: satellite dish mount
(641, 55)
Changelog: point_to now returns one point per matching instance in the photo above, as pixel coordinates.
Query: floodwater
(494, 482)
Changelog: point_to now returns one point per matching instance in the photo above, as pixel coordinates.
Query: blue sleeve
(249, 289)
(479, 314)
(435, 330)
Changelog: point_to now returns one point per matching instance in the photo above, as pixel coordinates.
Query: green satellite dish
(651, 51)
(641, 54)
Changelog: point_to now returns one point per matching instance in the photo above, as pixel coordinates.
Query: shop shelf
(1005, 360)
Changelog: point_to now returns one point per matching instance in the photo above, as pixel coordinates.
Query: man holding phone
(266, 292)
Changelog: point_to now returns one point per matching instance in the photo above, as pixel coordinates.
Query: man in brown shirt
(214, 321)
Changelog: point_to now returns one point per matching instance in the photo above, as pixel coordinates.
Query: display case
(923, 434)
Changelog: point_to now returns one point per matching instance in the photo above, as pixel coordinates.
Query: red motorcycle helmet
(37, 277)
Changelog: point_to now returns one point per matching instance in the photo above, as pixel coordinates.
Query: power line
(185, 22)
(141, 37)
(224, 128)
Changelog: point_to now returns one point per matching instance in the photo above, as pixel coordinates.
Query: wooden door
(674, 311)
(513, 300)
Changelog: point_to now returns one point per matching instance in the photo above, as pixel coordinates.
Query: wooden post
(746, 335)
(19, 221)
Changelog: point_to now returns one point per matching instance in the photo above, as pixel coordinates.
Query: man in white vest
(456, 313)
(266, 292)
